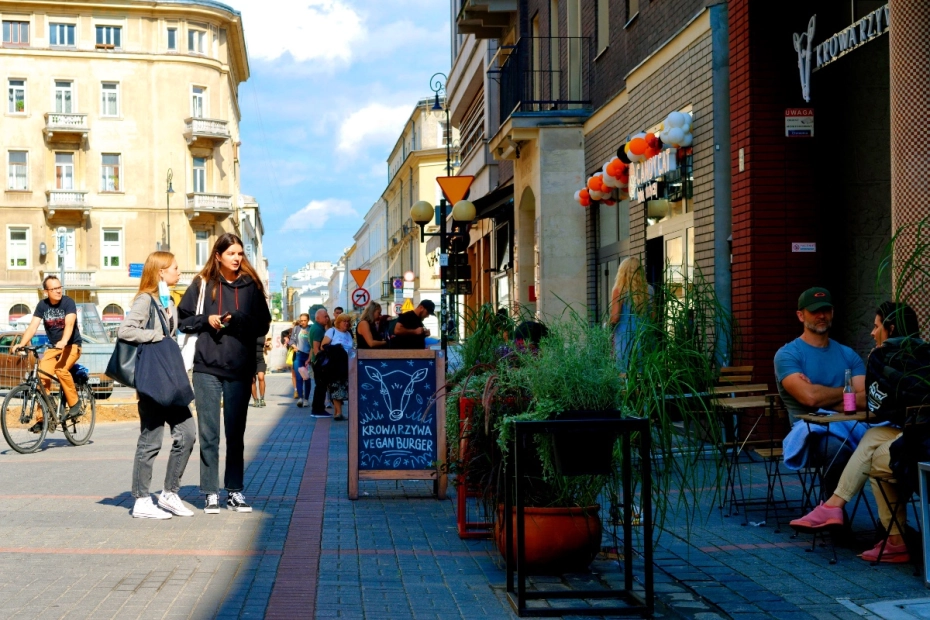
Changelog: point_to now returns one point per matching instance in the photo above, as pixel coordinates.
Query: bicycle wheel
(21, 408)
(78, 429)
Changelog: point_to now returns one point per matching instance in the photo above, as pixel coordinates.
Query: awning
(488, 206)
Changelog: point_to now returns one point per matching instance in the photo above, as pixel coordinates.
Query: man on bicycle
(58, 313)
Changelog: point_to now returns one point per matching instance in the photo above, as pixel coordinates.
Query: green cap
(814, 299)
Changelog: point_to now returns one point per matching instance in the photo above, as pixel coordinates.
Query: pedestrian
(338, 370)
(337, 311)
(159, 272)
(317, 332)
(235, 313)
(300, 343)
(409, 332)
(368, 332)
(629, 305)
(261, 366)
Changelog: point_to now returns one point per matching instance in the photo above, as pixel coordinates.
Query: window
(603, 25)
(109, 99)
(108, 37)
(15, 33)
(64, 97)
(632, 9)
(17, 97)
(64, 170)
(69, 260)
(173, 39)
(111, 173)
(198, 99)
(18, 248)
(112, 247)
(61, 34)
(195, 41)
(201, 247)
(200, 175)
(18, 172)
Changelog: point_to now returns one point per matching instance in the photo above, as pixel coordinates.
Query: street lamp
(168, 193)
(284, 300)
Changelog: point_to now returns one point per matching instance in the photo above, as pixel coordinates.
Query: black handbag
(160, 374)
(122, 364)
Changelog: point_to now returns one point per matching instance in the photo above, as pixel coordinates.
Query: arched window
(19, 311)
(112, 314)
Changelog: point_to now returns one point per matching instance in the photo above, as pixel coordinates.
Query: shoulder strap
(203, 288)
(164, 324)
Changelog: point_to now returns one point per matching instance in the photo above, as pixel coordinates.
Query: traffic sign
(408, 293)
(360, 275)
(360, 297)
(398, 283)
(408, 305)
(455, 188)
(397, 309)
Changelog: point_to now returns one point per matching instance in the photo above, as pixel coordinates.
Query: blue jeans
(152, 420)
(235, 394)
(303, 387)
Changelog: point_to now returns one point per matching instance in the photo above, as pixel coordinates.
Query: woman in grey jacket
(141, 326)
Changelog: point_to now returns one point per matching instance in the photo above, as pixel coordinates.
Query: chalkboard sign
(397, 425)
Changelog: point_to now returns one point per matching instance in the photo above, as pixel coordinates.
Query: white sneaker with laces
(144, 508)
(173, 504)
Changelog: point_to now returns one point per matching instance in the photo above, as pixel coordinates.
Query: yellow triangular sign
(455, 188)
(360, 275)
(408, 305)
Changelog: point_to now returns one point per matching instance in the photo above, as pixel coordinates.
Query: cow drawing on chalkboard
(396, 378)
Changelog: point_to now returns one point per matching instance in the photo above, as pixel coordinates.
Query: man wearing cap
(409, 332)
(810, 371)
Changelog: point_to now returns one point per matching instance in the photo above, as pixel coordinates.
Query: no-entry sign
(360, 297)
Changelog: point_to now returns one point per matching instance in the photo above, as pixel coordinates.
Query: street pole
(437, 85)
(62, 251)
(168, 193)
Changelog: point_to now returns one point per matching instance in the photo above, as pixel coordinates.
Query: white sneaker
(173, 504)
(144, 508)
(300, 402)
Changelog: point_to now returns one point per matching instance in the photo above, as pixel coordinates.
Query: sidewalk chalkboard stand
(396, 431)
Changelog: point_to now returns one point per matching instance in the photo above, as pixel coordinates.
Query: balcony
(66, 201)
(486, 19)
(217, 206)
(66, 127)
(188, 276)
(73, 277)
(206, 133)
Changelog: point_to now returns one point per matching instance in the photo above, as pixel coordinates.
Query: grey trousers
(152, 420)
(209, 391)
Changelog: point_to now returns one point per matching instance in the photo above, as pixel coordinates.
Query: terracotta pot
(558, 540)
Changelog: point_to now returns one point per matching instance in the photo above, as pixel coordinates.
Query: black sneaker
(236, 502)
(73, 411)
(321, 414)
(37, 427)
(212, 505)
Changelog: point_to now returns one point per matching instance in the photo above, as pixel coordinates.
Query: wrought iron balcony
(542, 74)
(66, 201)
(61, 127)
(219, 206)
(74, 278)
(209, 132)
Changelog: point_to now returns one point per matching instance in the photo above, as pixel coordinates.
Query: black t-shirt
(53, 318)
(409, 320)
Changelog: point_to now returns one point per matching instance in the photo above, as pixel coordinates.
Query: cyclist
(58, 314)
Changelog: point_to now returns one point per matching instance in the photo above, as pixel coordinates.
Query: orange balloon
(585, 202)
(593, 183)
(652, 152)
(638, 146)
(653, 141)
(584, 195)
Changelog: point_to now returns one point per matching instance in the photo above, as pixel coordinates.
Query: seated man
(894, 323)
(810, 372)
(58, 313)
(409, 332)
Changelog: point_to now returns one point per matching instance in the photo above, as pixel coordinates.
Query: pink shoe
(820, 517)
(893, 554)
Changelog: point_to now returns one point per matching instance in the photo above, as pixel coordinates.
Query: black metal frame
(517, 594)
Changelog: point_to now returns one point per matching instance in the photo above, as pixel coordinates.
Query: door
(64, 171)
(70, 256)
(64, 97)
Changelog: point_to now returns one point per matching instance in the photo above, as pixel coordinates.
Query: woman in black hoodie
(235, 313)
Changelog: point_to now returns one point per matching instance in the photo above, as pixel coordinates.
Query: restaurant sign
(642, 174)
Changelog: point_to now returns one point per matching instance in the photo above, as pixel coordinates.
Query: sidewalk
(70, 549)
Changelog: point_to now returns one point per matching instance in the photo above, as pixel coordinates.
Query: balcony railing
(486, 19)
(541, 74)
(220, 206)
(206, 129)
(188, 276)
(73, 278)
(63, 125)
(66, 200)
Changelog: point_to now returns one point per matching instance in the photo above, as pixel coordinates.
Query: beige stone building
(105, 103)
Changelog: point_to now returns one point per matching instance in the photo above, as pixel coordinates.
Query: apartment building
(120, 135)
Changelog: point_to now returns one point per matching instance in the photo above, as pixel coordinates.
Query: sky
(332, 84)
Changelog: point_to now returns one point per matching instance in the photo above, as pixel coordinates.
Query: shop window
(671, 194)
(113, 313)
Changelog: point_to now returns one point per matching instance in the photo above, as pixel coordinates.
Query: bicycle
(19, 413)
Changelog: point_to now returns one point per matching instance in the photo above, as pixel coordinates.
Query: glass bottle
(849, 395)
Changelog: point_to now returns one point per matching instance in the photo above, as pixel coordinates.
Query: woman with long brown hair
(142, 326)
(235, 313)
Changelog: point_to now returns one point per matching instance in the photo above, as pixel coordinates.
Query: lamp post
(168, 193)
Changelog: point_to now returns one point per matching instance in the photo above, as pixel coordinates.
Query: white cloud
(317, 212)
(324, 30)
(376, 123)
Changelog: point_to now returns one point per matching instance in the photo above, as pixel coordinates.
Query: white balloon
(688, 140)
(675, 119)
(578, 196)
(595, 195)
(675, 136)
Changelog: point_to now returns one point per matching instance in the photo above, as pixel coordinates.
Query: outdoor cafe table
(732, 450)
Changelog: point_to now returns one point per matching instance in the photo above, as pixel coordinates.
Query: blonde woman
(368, 336)
(338, 377)
(629, 303)
(142, 326)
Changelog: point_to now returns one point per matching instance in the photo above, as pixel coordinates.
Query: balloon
(651, 152)
(592, 183)
(584, 195)
(689, 138)
(622, 156)
(653, 142)
(577, 196)
(585, 202)
(676, 136)
(675, 119)
(609, 203)
(638, 146)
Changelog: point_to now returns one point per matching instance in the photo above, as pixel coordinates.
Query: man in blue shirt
(810, 371)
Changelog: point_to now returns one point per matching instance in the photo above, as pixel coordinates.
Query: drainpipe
(722, 177)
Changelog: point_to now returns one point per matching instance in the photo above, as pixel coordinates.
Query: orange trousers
(58, 362)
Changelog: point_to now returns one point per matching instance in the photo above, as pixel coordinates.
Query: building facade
(120, 135)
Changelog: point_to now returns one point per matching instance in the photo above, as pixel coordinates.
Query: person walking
(235, 314)
(141, 326)
(337, 378)
(300, 343)
(317, 332)
(261, 366)
(629, 302)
